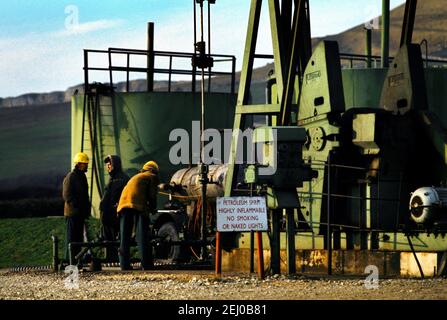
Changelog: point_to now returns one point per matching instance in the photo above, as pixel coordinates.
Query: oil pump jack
(345, 176)
(292, 47)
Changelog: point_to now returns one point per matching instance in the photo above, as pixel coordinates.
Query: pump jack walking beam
(291, 50)
(299, 36)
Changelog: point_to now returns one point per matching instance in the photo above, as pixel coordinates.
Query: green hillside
(35, 141)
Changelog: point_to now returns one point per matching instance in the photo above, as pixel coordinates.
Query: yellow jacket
(140, 193)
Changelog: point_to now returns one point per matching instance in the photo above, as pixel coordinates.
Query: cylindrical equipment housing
(427, 204)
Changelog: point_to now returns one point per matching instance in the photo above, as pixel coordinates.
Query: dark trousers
(129, 218)
(110, 233)
(74, 232)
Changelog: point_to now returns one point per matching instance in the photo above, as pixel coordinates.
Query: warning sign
(241, 214)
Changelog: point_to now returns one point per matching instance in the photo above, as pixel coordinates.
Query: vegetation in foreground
(27, 241)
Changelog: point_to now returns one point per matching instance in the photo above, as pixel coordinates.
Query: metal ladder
(99, 135)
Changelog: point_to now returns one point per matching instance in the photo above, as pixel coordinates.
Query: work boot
(126, 268)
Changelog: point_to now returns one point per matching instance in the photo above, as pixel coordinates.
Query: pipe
(218, 265)
(260, 255)
(150, 57)
(328, 227)
(30, 268)
(70, 254)
(408, 24)
(209, 44)
(291, 253)
(425, 42)
(252, 251)
(385, 33)
(86, 90)
(204, 182)
(186, 181)
(203, 171)
(275, 245)
(252, 241)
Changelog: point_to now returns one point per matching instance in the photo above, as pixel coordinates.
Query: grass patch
(27, 241)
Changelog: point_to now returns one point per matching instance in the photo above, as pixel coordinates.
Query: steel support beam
(275, 244)
(244, 89)
(278, 45)
(291, 254)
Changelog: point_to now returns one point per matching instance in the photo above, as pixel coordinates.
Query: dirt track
(201, 285)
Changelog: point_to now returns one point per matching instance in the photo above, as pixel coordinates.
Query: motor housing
(427, 204)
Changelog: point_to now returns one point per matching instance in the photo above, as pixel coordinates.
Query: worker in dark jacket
(138, 200)
(109, 203)
(76, 201)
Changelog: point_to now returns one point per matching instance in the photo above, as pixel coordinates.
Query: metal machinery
(428, 205)
(361, 173)
(111, 118)
(365, 161)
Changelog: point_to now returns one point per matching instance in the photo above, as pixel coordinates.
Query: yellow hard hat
(150, 165)
(80, 157)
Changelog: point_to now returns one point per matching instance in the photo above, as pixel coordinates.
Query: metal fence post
(328, 227)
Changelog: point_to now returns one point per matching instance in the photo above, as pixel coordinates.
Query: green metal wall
(362, 88)
(144, 122)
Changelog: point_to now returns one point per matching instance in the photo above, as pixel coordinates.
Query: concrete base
(428, 261)
(344, 262)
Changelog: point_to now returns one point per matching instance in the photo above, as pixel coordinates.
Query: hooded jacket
(75, 194)
(140, 193)
(112, 192)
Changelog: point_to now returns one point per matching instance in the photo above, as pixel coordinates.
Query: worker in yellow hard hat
(137, 201)
(76, 201)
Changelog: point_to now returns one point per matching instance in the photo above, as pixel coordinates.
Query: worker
(109, 203)
(76, 202)
(138, 200)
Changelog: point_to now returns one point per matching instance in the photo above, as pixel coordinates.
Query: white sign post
(239, 214)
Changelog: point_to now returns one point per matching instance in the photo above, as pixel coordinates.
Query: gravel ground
(203, 285)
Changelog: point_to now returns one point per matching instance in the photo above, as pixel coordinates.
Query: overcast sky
(41, 42)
